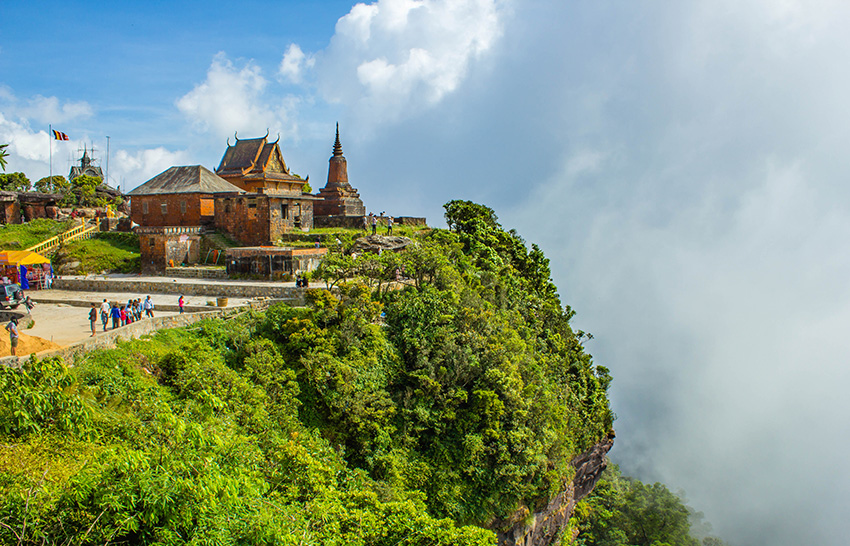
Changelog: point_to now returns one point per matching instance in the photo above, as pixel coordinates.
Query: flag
(59, 135)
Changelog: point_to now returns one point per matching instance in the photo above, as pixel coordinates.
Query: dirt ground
(56, 325)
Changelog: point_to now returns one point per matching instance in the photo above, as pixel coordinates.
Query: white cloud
(29, 150)
(44, 110)
(294, 63)
(392, 57)
(131, 169)
(234, 99)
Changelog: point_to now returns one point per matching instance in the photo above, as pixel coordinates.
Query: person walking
(390, 225)
(180, 304)
(12, 327)
(93, 317)
(374, 223)
(365, 223)
(115, 313)
(148, 307)
(104, 313)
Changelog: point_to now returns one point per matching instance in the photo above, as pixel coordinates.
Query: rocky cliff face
(543, 527)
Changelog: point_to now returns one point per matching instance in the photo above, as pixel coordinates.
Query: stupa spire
(337, 144)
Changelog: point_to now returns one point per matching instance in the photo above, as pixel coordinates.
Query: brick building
(160, 245)
(180, 196)
(261, 218)
(273, 262)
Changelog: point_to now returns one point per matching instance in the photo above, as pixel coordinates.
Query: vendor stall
(32, 271)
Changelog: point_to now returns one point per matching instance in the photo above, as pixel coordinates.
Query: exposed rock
(543, 528)
(374, 243)
(69, 268)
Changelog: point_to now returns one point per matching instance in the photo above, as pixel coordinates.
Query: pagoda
(338, 197)
(257, 165)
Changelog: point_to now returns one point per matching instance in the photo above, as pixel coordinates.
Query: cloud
(132, 169)
(392, 57)
(43, 110)
(294, 64)
(234, 99)
(29, 150)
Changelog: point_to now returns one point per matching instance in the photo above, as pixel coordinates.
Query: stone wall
(229, 290)
(196, 272)
(350, 222)
(356, 222)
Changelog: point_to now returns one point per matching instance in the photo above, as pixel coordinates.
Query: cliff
(543, 528)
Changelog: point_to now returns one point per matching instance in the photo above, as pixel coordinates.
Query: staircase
(78, 233)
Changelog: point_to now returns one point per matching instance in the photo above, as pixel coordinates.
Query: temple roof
(186, 179)
(254, 156)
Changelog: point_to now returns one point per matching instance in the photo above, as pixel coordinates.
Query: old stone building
(338, 197)
(179, 196)
(273, 262)
(162, 245)
(261, 218)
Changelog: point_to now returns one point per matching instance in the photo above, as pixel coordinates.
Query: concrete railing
(78, 233)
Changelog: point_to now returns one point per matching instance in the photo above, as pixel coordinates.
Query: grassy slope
(114, 252)
(22, 236)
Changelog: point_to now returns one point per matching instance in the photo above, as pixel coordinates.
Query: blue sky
(683, 165)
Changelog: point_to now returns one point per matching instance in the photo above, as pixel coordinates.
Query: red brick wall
(181, 209)
(247, 224)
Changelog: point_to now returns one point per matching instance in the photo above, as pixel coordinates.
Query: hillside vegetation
(384, 413)
(23, 236)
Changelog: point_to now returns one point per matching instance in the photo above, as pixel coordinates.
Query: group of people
(372, 220)
(122, 315)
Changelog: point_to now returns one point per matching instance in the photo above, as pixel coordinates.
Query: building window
(150, 241)
(144, 207)
(252, 203)
(164, 208)
(284, 211)
(182, 207)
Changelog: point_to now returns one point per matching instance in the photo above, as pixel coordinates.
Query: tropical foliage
(622, 511)
(435, 391)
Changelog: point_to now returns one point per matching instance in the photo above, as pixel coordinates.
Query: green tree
(84, 191)
(622, 511)
(3, 155)
(53, 184)
(462, 215)
(14, 182)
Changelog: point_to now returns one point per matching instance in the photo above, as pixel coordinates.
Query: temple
(257, 166)
(86, 167)
(338, 197)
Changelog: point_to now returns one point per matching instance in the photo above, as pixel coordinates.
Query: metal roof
(186, 179)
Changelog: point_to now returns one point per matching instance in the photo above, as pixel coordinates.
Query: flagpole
(50, 140)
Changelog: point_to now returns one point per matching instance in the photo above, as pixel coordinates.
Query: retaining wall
(231, 290)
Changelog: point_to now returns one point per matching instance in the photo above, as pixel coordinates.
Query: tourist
(180, 304)
(93, 317)
(12, 327)
(390, 225)
(115, 313)
(148, 307)
(104, 313)
(365, 223)
(374, 223)
(123, 314)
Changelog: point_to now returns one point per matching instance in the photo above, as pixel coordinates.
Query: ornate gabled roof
(186, 179)
(254, 156)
